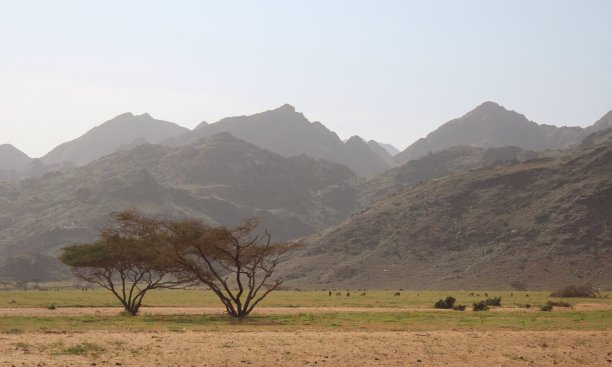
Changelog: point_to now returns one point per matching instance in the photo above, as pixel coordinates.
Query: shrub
(447, 303)
(480, 306)
(459, 307)
(51, 307)
(558, 304)
(527, 305)
(496, 301)
(546, 308)
(576, 291)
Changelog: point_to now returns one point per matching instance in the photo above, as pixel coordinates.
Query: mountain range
(365, 211)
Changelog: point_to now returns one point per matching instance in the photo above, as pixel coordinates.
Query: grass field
(302, 328)
(290, 299)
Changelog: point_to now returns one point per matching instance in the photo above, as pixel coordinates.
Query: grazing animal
(363, 294)
(472, 294)
(330, 293)
(527, 295)
(348, 294)
(486, 294)
(396, 294)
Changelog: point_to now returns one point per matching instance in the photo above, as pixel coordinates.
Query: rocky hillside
(433, 166)
(491, 125)
(289, 133)
(542, 224)
(126, 129)
(221, 179)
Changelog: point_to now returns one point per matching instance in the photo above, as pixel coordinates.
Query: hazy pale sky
(385, 70)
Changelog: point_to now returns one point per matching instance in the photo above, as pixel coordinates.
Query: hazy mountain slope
(110, 136)
(539, 224)
(453, 160)
(602, 124)
(220, 179)
(289, 133)
(13, 159)
(381, 152)
(393, 151)
(491, 125)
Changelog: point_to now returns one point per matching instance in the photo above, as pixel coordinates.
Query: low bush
(527, 305)
(480, 306)
(558, 304)
(447, 303)
(496, 301)
(546, 308)
(576, 291)
(459, 307)
(51, 307)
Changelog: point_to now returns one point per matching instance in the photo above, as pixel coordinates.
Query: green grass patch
(83, 349)
(291, 299)
(409, 321)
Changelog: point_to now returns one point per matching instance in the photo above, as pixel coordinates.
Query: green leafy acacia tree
(126, 260)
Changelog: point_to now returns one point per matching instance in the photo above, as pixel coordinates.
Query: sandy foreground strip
(310, 348)
(112, 311)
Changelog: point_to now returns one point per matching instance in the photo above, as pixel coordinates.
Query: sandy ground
(311, 348)
(111, 311)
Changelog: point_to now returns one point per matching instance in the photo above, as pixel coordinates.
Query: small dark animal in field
(526, 295)
(348, 294)
(396, 294)
(363, 294)
(338, 294)
(486, 294)
(330, 293)
(472, 294)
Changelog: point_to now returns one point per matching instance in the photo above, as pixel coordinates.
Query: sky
(386, 70)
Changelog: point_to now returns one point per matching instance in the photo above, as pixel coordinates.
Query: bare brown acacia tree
(235, 263)
(126, 260)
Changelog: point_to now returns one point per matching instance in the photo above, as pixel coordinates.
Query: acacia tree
(126, 260)
(235, 263)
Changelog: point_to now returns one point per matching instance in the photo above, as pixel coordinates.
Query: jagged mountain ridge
(540, 224)
(491, 125)
(289, 133)
(110, 136)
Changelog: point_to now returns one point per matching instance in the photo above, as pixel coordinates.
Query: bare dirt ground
(111, 311)
(311, 348)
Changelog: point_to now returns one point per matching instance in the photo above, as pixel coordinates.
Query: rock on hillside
(540, 224)
(220, 179)
(111, 136)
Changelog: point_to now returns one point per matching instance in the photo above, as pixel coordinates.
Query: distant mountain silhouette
(289, 133)
(12, 158)
(220, 179)
(393, 151)
(602, 124)
(491, 125)
(111, 136)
